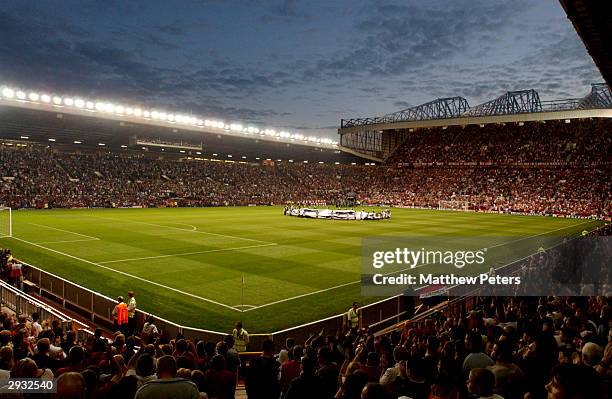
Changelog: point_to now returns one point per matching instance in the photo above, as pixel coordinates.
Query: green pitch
(187, 264)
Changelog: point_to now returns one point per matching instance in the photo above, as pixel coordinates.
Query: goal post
(454, 205)
(6, 222)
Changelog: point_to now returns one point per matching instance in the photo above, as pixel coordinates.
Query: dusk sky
(294, 65)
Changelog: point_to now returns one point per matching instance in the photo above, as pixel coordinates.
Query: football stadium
(456, 248)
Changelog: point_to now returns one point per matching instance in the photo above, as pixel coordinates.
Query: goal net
(6, 222)
(456, 205)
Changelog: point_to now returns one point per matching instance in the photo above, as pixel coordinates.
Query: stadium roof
(58, 126)
(78, 105)
(518, 102)
(591, 19)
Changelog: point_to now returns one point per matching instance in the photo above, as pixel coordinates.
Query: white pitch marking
(186, 253)
(397, 271)
(177, 228)
(65, 231)
(63, 241)
(128, 275)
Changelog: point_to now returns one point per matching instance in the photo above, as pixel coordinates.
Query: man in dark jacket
(308, 385)
(262, 378)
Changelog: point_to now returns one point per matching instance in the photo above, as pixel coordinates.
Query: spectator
(307, 385)
(167, 385)
(481, 383)
(262, 378)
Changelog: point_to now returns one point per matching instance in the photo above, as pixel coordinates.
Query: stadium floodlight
(33, 96)
(171, 117)
(129, 111)
(119, 109)
(68, 101)
(51, 140)
(193, 120)
(109, 107)
(154, 114)
(137, 112)
(146, 114)
(100, 106)
(57, 100)
(200, 122)
(206, 122)
(79, 103)
(89, 105)
(20, 95)
(45, 98)
(8, 92)
(163, 116)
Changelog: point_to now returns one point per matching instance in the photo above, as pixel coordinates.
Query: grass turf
(206, 251)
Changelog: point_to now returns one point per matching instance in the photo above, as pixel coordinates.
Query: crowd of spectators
(487, 347)
(499, 347)
(551, 168)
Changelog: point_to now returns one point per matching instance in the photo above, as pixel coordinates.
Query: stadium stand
(552, 168)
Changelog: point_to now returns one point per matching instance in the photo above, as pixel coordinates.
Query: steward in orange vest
(120, 315)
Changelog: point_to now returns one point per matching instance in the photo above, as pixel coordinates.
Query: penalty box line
(91, 238)
(397, 271)
(177, 228)
(186, 253)
(128, 275)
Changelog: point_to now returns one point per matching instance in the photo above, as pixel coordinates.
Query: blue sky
(293, 65)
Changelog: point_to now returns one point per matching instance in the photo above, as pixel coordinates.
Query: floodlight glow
(57, 100)
(305, 161)
(243, 157)
(79, 103)
(34, 96)
(353, 163)
(163, 116)
(200, 122)
(123, 146)
(206, 122)
(146, 114)
(101, 144)
(109, 107)
(45, 98)
(25, 137)
(171, 117)
(291, 160)
(229, 156)
(257, 158)
(182, 151)
(100, 106)
(193, 120)
(336, 163)
(8, 93)
(214, 155)
(89, 105)
(129, 111)
(198, 153)
(321, 162)
(76, 142)
(137, 112)
(20, 95)
(154, 114)
(68, 101)
(119, 109)
(51, 140)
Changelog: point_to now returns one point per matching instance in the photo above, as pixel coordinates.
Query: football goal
(6, 222)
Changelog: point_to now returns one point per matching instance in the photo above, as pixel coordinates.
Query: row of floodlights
(118, 109)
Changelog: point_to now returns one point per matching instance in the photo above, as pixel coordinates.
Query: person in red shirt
(220, 382)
